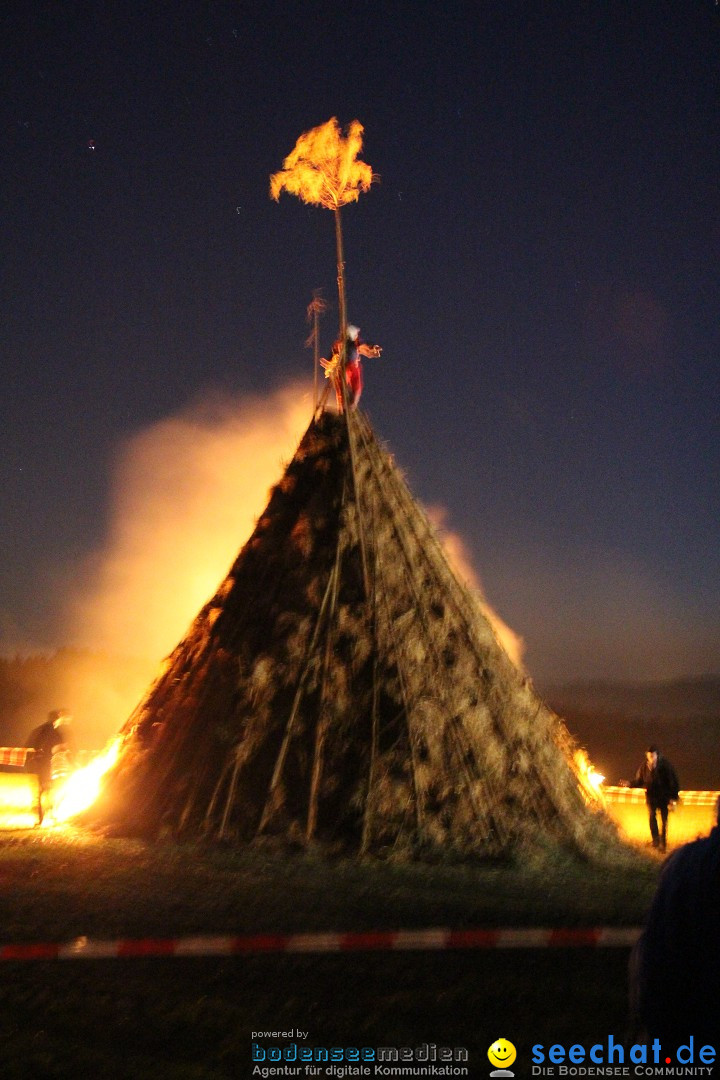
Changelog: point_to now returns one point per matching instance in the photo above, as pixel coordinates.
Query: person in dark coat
(660, 781)
(46, 740)
(675, 966)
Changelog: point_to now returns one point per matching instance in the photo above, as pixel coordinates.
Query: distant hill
(616, 722)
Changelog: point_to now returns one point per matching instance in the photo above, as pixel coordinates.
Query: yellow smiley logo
(502, 1053)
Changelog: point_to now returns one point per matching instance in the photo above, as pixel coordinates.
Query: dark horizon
(539, 262)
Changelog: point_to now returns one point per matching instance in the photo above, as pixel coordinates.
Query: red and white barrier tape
(359, 941)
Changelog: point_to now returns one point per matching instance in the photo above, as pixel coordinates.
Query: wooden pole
(342, 308)
(368, 816)
(230, 794)
(342, 305)
(300, 690)
(315, 309)
(485, 815)
(322, 721)
(316, 351)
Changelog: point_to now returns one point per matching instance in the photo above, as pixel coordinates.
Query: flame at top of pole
(323, 168)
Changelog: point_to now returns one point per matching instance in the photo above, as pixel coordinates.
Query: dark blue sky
(541, 262)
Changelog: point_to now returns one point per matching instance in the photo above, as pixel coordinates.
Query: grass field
(193, 1018)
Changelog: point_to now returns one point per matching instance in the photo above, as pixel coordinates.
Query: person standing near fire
(52, 742)
(355, 349)
(660, 781)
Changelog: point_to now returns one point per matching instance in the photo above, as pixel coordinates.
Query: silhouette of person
(660, 781)
(48, 740)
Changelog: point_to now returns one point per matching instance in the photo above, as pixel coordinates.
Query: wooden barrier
(691, 817)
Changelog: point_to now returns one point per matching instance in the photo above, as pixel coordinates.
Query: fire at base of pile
(81, 788)
(344, 689)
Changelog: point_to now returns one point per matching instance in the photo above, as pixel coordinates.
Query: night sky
(540, 262)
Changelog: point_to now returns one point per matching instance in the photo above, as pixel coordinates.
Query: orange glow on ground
(692, 817)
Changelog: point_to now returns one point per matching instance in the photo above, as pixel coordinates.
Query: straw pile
(343, 689)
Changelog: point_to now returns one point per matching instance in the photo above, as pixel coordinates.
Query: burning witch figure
(355, 349)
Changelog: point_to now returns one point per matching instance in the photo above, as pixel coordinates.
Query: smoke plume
(186, 493)
(460, 560)
(185, 496)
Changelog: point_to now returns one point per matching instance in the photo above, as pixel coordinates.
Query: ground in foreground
(187, 1018)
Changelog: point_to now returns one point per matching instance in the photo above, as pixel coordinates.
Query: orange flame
(323, 169)
(82, 787)
(590, 779)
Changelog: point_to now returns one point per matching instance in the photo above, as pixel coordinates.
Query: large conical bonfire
(344, 689)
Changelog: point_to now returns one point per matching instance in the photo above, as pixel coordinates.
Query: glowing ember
(590, 779)
(82, 788)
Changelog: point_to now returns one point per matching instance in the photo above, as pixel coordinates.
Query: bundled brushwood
(344, 689)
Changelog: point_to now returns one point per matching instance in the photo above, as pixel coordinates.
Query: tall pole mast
(342, 304)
